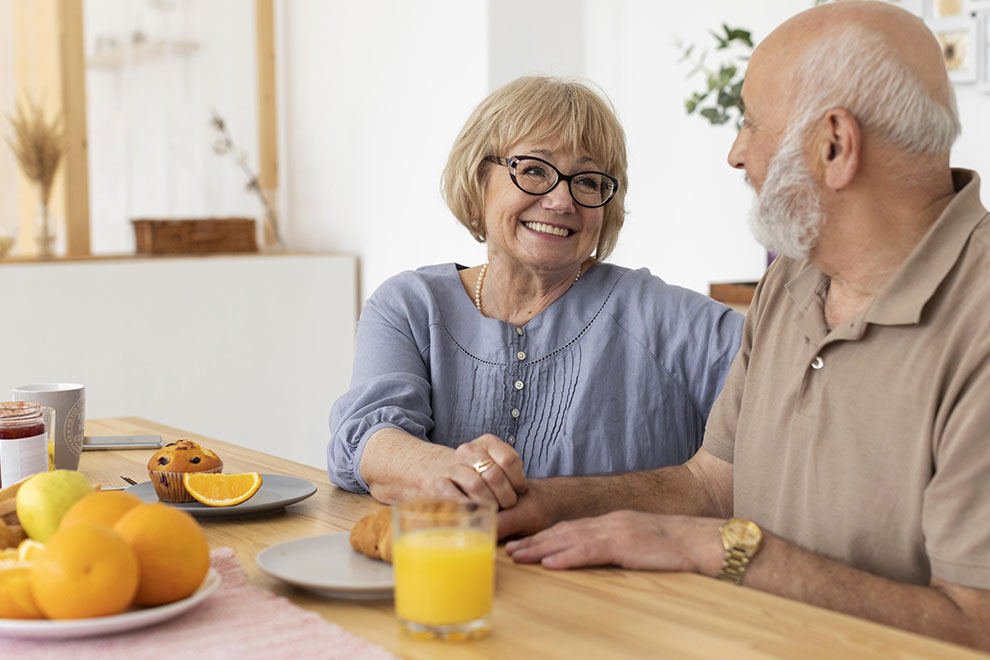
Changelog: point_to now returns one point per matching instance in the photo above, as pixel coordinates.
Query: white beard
(786, 215)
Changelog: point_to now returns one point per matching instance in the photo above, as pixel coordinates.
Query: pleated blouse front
(617, 374)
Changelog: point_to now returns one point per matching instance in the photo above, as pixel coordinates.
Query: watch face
(743, 532)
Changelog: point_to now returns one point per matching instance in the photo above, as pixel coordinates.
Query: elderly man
(854, 427)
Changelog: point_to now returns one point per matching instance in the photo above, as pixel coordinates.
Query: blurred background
(339, 115)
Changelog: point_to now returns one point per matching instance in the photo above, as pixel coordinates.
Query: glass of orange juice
(444, 559)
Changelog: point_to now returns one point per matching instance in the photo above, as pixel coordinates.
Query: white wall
(374, 94)
(385, 86)
(249, 349)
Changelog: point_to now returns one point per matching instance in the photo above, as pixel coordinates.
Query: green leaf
(711, 114)
(742, 36)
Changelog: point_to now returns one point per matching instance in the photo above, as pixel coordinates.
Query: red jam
(20, 419)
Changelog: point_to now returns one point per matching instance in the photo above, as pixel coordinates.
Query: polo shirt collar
(903, 298)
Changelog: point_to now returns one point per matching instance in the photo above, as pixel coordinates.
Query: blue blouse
(617, 374)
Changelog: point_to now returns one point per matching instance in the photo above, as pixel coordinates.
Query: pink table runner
(237, 621)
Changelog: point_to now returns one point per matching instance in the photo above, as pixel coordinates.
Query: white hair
(787, 216)
(856, 70)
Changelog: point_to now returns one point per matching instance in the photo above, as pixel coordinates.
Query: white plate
(104, 625)
(328, 565)
(277, 491)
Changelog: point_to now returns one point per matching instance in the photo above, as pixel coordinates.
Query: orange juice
(444, 576)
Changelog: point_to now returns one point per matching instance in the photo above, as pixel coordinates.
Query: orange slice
(221, 489)
(28, 550)
(16, 601)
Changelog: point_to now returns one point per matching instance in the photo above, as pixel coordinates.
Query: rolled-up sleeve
(390, 386)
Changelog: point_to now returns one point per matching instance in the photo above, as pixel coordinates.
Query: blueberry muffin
(167, 465)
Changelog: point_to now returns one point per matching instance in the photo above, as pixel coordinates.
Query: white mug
(69, 402)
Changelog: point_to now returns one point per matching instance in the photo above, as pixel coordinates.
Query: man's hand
(535, 509)
(700, 487)
(630, 539)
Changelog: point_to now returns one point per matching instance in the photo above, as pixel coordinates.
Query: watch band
(741, 539)
(734, 565)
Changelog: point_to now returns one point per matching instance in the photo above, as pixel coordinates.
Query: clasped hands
(489, 470)
(483, 470)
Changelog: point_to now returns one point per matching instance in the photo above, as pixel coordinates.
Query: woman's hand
(484, 470)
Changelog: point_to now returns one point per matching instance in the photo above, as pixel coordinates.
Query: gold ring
(484, 464)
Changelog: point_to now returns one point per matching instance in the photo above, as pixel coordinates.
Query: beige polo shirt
(870, 444)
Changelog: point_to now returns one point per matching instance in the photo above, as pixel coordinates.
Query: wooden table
(591, 613)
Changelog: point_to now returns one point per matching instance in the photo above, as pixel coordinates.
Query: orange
(16, 601)
(84, 571)
(104, 507)
(171, 549)
(221, 489)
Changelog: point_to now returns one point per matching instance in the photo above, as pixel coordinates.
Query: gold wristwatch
(741, 540)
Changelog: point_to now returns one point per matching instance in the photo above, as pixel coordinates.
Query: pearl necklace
(481, 279)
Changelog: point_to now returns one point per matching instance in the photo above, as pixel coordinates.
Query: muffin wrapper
(168, 485)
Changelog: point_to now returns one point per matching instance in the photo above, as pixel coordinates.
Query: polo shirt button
(519, 331)
(512, 440)
(520, 355)
(519, 384)
(818, 362)
(515, 412)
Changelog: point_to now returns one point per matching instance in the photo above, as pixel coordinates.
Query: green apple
(44, 499)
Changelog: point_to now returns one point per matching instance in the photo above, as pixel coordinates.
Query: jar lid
(17, 411)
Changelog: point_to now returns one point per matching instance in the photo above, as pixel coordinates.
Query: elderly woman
(544, 361)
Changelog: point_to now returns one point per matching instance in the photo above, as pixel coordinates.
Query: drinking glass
(444, 558)
(48, 415)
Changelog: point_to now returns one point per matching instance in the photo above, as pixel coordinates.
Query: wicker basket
(199, 236)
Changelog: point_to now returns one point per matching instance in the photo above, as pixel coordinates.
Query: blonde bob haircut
(536, 108)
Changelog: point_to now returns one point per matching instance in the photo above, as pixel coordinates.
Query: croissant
(372, 535)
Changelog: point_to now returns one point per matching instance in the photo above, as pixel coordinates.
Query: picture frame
(962, 48)
(984, 38)
(917, 7)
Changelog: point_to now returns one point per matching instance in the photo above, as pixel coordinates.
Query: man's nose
(736, 153)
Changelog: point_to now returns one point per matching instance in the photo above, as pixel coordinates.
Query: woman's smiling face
(542, 233)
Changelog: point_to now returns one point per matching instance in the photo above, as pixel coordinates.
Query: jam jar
(23, 441)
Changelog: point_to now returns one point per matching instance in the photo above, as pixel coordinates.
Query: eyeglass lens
(538, 177)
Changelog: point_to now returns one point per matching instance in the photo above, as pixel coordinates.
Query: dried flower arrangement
(225, 145)
(38, 146)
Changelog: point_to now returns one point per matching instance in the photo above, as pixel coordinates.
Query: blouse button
(818, 362)
(519, 331)
(520, 355)
(519, 384)
(515, 412)
(512, 440)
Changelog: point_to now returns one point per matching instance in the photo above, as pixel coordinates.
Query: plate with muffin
(170, 469)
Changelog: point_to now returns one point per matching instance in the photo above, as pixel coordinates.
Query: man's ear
(838, 148)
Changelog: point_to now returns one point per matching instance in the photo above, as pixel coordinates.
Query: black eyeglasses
(536, 176)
